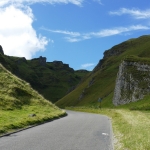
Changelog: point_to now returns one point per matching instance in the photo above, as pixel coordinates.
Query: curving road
(77, 131)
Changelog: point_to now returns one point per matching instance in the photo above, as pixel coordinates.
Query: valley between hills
(121, 79)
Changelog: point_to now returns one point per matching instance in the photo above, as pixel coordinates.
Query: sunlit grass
(21, 118)
(21, 106)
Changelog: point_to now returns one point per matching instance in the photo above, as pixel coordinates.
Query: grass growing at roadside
(21, 118)
(18, 102)
(131, 128)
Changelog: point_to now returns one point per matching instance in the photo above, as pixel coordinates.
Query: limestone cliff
(132, 83)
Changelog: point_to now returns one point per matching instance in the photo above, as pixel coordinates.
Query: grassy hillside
(101, 82)
(20, 105)
(51, 79)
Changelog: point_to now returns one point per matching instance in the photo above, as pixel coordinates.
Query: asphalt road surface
(77, 131)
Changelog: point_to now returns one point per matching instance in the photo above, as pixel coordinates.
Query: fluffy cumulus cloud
(17, 36)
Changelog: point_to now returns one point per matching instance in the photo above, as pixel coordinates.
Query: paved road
(77, 131)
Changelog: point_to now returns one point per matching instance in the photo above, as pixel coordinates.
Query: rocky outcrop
(1, 50)
(58, 63)
(21, 60)
(42, 61)
(114, 51)
(91, 82)
(132, 83)
(39, 61)
(61, 66)
(81, 95)
(117, 49)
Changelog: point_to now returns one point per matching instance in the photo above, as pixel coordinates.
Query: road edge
(32, 126)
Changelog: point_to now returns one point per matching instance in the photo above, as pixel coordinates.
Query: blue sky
(76, 32)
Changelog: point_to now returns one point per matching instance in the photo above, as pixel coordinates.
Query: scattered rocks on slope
(32, 115)
(91, 82)
(82, 95)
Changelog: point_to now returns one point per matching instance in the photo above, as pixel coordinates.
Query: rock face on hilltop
(51, 79)
(114, 51)
(21, 60)
(42, 61)
(132, 83)
(1, 50)
(39, 61)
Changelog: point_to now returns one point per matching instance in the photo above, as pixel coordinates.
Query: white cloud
(74, 34)
(77, 36)
(72, 39)
(87, 66)
(119, 30)
(28, 2)
(137, 14)
(17, 36)
(77, 39)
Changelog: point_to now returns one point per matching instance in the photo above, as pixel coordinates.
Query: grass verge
(131, 128)
(12, 120)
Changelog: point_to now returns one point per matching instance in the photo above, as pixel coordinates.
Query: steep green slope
(101, 82)
(51, 79)
(20, 105)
